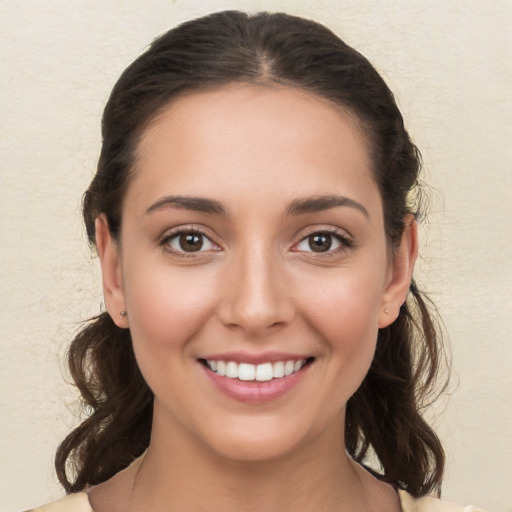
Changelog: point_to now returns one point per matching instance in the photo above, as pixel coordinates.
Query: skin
(255, 286)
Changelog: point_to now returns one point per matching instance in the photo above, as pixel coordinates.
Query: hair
(384, 416)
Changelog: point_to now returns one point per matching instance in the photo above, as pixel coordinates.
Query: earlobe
(108, 252)
(400, 273)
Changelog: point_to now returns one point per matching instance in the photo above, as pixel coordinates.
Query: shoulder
(430, 504)
(78, 502)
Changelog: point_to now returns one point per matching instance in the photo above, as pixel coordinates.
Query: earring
(385, 311)
(123, 314)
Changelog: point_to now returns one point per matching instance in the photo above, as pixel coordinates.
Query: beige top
(79, 502)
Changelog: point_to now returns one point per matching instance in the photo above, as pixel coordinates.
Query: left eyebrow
(198, 204)
(320, 203)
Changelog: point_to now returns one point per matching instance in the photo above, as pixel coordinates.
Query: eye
(322, 242)
(189, 242)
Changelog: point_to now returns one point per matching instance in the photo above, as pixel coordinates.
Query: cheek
(167, 305)
(344, 303)
(168, 308)
(345, 317)
(349, 327)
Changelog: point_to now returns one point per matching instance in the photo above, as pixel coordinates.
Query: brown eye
(320, 242)
(190, 242)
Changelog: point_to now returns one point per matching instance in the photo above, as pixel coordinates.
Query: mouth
(256, 378)
(263, 372)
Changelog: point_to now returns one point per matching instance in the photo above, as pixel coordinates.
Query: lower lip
(255, 391)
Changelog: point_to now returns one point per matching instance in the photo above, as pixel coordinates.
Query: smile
(255, 372)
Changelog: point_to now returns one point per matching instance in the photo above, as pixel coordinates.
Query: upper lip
(252, 358)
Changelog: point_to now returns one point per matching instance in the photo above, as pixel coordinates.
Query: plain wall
(449, 63)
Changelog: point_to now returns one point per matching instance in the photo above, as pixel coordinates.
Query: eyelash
(175, 234)
(344, 242)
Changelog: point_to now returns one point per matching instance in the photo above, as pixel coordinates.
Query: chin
(260, 449)
(257, 440)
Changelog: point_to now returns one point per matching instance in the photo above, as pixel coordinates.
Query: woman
(264, 338)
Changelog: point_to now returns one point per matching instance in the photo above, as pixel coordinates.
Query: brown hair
(384, 414)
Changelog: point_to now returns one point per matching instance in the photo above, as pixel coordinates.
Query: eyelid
(173, 233)
(345, 240)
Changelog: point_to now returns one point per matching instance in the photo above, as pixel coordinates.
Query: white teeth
(250, 372)
(288, 368)
(221, 367)
(246, 371)
(278, 370)
(264, 372)
(232, 370)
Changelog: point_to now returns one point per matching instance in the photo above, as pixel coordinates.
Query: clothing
(430, 504)
(80, 503)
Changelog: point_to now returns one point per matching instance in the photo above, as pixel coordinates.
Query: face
(253, 265)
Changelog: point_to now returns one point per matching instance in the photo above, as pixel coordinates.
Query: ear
(400, 273)
(111, 271)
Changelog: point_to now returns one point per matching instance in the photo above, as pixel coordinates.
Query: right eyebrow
(198, 204)
(326, 202)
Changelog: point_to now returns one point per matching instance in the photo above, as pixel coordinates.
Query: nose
(255, 295)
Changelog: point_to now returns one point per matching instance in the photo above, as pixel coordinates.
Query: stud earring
(385, 311)
(122, 314)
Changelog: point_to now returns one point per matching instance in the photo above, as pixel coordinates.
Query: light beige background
(448, 62)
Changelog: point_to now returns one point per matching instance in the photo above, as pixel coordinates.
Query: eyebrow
(198, 204)
(297, 207)
(319, 203)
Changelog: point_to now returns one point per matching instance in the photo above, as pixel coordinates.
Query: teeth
(251, 372)
(221, 367)
(288, 368)
(232, 370)
(264, 372)
(246, 371)
(278, 370)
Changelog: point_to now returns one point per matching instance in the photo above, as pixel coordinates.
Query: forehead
(284, 141)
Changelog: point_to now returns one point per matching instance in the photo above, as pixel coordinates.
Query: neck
(185, 476)
(179, 473)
